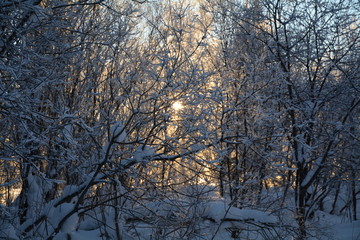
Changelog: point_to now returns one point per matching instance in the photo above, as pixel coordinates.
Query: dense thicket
(127, 119)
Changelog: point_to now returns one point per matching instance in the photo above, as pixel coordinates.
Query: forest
(180, 119)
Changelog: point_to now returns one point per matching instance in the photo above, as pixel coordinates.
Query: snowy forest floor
(216, 221)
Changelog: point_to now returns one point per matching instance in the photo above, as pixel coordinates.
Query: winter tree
(178, 119)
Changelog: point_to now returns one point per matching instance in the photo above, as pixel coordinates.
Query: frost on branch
(144, 153)
(118, 133)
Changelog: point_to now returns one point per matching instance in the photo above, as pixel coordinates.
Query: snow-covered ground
(347, 231)
(218, 221)
(327, 226)
(208, 218)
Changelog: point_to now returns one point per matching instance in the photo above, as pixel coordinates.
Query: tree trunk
(301, 219)
(353, 193)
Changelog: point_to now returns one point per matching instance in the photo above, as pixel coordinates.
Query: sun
(177, 106)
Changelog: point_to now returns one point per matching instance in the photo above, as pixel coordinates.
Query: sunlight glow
(177, 106)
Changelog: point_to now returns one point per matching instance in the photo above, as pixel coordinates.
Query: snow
(70, 223)
(7, 231)
(311, 173)
(68, 129)
(80, 235)
(336, 227)
(216, 219)
(347, 231)
(219, 210)
(58, 213)
(118, 132)
(143, 152)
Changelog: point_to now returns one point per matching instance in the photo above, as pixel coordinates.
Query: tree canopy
(214, 119)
